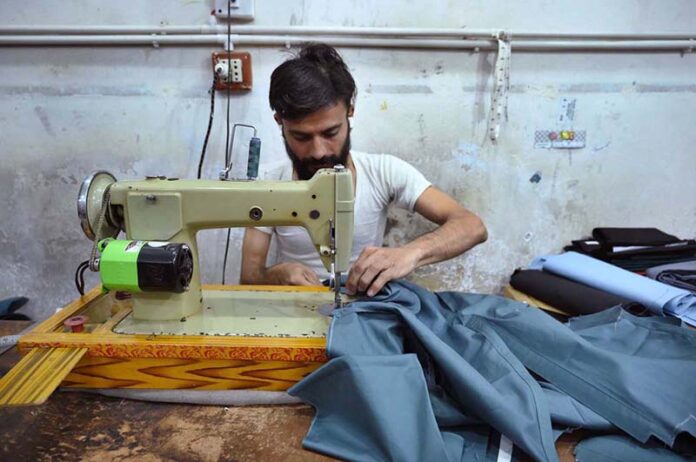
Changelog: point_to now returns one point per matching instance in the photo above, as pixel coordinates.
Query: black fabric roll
(570, 296)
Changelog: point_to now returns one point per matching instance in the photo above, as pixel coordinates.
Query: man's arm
(459, 231)
(254, 270)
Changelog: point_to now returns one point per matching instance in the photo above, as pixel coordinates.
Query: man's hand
(378, 265)
(292, 274)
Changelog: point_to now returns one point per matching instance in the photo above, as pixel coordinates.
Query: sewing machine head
(158, 262)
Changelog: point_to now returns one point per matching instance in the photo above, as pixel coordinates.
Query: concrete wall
(66, 112)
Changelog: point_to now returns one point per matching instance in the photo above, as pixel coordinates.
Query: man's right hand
(292, 274)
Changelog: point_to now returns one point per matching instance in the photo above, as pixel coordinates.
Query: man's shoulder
(373, 161)
(381, 164)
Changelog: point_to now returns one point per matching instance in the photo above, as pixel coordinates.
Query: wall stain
(484, 70)
(399, 89)
(43, 117)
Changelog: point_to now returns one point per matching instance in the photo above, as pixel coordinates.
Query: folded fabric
(366, 403)
(635, 249)
(619, 448)
(610, 237)
(637, 258)
(570, 296)
(10, 305)
(467, 358)
(682, 275)
(659, 298)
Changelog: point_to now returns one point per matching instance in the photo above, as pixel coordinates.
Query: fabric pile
(422, 376)
(635, 249)
(596, 274)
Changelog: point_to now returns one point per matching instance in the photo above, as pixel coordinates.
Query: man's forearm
(256, 276)
(454, 237)
(282, 274)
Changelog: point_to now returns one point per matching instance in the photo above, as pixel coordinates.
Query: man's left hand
(378, 265)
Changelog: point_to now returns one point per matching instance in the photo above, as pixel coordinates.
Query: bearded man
(313, 97)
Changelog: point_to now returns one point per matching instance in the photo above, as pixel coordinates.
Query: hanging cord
(80, 276)
(227, 249)
(210, 126)
(227, 136)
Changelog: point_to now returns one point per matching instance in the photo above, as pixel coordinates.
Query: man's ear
(277, 118)
(351, 110)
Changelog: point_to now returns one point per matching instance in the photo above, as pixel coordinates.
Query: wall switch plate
(232, 70)
(242, 10)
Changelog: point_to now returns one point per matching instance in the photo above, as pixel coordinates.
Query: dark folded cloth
(635, 249)
(682, 275)
(566, 295)
(8, 307)
(610, 237)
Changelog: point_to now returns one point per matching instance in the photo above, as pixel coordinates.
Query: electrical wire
(80, 276)
(227, 136)
(227, 249)
(210, 126)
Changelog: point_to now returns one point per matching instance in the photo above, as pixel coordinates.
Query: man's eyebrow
(301, 133)
(332, 128)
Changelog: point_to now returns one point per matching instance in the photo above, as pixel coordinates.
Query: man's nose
(320, 148)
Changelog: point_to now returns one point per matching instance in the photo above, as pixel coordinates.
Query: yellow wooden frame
(114, 360)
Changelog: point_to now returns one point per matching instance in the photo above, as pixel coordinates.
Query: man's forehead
(320, 120)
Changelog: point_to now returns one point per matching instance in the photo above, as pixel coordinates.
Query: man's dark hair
(316, 78)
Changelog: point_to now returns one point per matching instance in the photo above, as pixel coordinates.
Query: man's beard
(306, 169)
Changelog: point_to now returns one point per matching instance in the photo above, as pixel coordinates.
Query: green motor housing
(149, 266)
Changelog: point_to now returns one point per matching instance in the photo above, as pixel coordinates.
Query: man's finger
(378, 283)
(367, 277)
(363, 263)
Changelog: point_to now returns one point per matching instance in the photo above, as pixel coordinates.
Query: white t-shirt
(381, 180)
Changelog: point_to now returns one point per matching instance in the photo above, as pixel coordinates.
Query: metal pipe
(334, 31)
(110, 40)
(287, 41)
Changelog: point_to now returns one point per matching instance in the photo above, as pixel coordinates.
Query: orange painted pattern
(168, 373)
(158, 350)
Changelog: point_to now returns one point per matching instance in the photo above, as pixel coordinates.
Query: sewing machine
(173, 333)
(164, 215)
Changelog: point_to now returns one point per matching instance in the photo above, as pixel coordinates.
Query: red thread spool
(76, 323)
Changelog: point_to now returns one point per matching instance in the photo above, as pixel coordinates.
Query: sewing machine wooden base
(286, 345)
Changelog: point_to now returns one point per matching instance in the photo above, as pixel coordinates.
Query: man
(313, 96)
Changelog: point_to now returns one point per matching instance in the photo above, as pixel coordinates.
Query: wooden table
(73, 426)
(87, 427)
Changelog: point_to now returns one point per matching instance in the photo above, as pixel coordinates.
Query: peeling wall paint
(66, 112)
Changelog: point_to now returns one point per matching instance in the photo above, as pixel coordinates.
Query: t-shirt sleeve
(404, 183)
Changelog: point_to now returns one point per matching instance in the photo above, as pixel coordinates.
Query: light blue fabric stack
(661, 299)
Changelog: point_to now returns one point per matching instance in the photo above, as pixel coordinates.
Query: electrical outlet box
(242, 10)
(232, 70)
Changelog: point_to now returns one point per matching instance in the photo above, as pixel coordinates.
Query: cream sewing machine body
(172, 210)
(172, 332)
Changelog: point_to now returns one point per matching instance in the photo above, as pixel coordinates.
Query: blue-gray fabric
(682, 275)
(378, 426)
(441, 365)
(619, 448)
(659, 298)
(568, 414)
